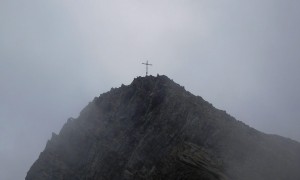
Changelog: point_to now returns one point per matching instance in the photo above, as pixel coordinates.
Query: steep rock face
(154, 129)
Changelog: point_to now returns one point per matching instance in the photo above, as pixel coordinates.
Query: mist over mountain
(155, 129)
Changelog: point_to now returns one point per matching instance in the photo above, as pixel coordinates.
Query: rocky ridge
(155, 129)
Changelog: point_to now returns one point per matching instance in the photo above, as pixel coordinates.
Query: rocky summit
(153, 129)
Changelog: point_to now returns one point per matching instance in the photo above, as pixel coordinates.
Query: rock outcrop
(154, 129)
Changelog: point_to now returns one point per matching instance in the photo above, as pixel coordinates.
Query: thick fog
(55, 56)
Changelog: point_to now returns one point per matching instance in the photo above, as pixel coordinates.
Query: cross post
(147, 64)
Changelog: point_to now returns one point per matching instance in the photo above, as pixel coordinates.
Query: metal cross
(147, 64)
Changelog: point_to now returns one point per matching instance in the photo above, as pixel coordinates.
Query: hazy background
(55, 56)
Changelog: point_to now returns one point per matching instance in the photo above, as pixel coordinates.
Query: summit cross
(147, 64)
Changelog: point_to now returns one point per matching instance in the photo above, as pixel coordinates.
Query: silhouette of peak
(155, 129)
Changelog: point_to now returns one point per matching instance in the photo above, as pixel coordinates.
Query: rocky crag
(154, 129)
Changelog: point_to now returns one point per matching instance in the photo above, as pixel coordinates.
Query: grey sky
(55, 56)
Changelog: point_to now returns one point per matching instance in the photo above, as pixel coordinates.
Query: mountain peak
(150, 82)
(155, 129)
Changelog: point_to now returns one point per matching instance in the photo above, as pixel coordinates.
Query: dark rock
(153, 129)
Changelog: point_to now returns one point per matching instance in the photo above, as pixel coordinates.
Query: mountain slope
(154, 129)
